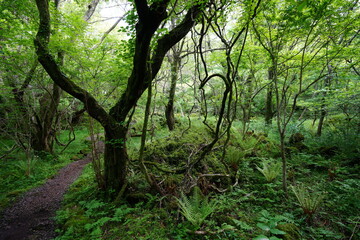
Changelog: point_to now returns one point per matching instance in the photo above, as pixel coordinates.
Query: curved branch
(143, 72)
(110, 29)
(212, 76)
(53, 69)
(173, 37)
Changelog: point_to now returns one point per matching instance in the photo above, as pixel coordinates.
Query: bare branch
(91, 9)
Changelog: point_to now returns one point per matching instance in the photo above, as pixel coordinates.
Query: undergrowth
(248, 207)
(18, 175)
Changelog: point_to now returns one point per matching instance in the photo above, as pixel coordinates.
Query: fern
(196, 208)
(309, 202)
(270, 170)
(27, 166)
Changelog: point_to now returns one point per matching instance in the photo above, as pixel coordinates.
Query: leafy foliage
(269, 224)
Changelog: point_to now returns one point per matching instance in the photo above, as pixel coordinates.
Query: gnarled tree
(147, 61)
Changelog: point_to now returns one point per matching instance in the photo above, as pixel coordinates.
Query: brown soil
(32, 217)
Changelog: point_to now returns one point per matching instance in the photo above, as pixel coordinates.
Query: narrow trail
(32, 216)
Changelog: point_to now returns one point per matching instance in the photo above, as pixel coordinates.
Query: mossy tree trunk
(116, 157)
(175, 62)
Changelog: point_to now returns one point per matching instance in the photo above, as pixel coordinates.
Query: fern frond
(270, 170)
(196, 208)
(309, 202)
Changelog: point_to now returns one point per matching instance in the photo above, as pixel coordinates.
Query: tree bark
(323, 110)
(45, 132)
(91, 9)
(175, 62)
(116, 158)
(269, 112)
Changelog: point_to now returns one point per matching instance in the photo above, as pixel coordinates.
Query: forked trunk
(146, 64)
(42, 141)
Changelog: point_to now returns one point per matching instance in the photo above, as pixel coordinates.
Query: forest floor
(32, 216)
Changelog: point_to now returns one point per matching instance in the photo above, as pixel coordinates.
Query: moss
(75, 158)
(84, 151)
(292, 231)
(296, 138)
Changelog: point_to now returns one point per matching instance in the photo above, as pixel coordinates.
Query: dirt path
(32, 216)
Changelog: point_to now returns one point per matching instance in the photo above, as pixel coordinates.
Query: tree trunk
(91, 9)
(44, 135)
(321, 119)
(323, 111)
(116, 158)
(249, 88)
(269, 112)
(45, 132)
(284, 164)
(169, 111)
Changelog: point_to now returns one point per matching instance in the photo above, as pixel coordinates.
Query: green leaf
(196, 208)
(274, 238)
(301, 6)
(277, 231)
(263, 226)
(227, 227)
(242, 225)
(261, 237)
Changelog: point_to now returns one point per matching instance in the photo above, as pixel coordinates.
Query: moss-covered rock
(85, 151)
(296, 140)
